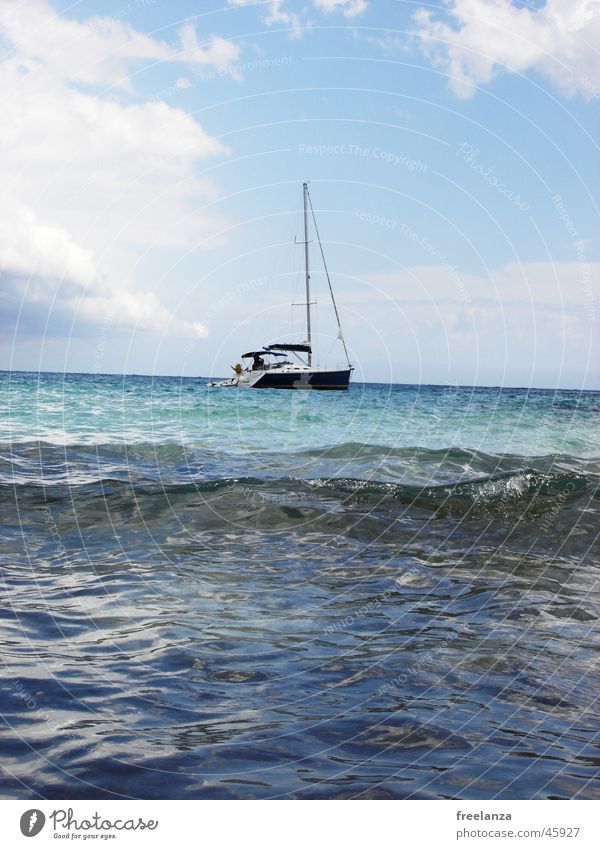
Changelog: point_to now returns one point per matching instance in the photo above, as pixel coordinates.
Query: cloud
(97, 51)
(533, 323)
(140, 310)
(348, 8)
(91, 182)
(483, 37)
(278, 12)
(28, 245)
(274, 12)
(50, 307)
(219, 52)
(541, 285)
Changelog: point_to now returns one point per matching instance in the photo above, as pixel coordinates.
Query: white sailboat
(271, 366)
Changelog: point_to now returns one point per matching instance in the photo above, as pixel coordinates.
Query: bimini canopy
(261, 354)
(291, 347)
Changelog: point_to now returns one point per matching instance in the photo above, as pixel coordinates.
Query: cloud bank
(91, 178)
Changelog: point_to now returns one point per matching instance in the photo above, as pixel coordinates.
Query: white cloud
(91, 182)
(348, 8)
(99, 51)
(27, 246)
(483, 36)
(274, 12)
(556, 285)
(528, 322)
(219, 52)
(278, 12)
(96, 51)
(140, 310)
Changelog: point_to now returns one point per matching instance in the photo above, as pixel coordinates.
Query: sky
(153, 155)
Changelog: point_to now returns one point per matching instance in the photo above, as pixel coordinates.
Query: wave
(270, 487)
(502, 494)
(34, 455)
(580, 404)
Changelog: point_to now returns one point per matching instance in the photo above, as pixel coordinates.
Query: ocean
(387, 593)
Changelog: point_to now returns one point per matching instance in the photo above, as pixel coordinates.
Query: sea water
(211, 593)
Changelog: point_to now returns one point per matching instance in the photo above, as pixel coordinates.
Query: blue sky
(154, 162)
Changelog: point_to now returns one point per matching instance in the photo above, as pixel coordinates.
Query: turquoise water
(390, 592)
(88, 410)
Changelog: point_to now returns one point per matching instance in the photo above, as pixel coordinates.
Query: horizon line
(363, 382)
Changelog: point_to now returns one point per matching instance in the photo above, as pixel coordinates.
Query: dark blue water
(392, 593)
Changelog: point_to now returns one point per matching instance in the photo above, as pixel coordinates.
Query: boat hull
(337, 379)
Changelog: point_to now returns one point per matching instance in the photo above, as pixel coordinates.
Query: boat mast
(305, 196)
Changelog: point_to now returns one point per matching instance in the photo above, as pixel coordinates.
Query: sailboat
(289, 365)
